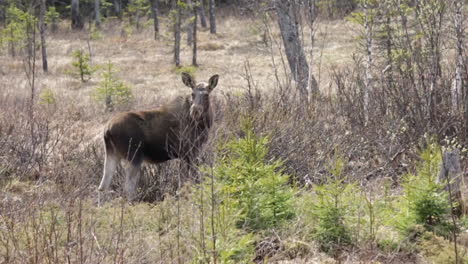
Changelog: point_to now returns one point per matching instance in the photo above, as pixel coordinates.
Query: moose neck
(205, 121)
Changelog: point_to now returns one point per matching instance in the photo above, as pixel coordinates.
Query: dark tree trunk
(97, 13)
(137, 19)
(212, 17)
(11, 46)
(190, 24)
(77, 22)
(2, 13)
(155, 15)
(31, 39)
(134, 17)
(118, 8)
(288, 24)
(201, 11)
(177, 28)
(42, 29)
(194, 31)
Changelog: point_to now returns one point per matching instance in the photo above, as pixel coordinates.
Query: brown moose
(175, 130)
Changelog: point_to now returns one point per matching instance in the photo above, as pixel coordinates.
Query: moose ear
(213, 81)
(188, 80)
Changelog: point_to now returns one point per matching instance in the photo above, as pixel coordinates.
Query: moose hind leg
(110, 166)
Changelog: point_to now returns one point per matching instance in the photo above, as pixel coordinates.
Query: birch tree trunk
(368, 26)
(451, 176)
(77, 22)
(212, 17)
(457, 93)
(388, 71)
(42, 30)
(177, 28)
(155, 14)
(288, 24)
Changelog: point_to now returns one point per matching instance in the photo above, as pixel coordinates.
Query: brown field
(51, 153)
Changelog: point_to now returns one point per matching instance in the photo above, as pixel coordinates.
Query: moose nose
(196, 112)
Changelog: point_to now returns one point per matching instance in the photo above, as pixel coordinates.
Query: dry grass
(50, 186)
(146, 65)
(49, 191)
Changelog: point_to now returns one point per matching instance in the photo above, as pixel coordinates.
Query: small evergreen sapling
(424, 202)
(112, 91)
(258, 187)
(82, 66)
(335, 201)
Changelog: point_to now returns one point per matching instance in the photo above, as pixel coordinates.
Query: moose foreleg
(131, 179)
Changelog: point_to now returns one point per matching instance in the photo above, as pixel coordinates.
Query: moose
(175, 130)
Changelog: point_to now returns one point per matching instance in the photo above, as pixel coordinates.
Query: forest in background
(340, 132)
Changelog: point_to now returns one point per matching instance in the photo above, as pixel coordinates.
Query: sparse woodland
(340, 131)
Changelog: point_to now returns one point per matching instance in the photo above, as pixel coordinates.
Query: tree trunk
(190, 24)
(451, 176)
(134, 17)
(212, 17)
(368, 26)
(201, 11)
(312, 86)
(3, 13)
(432, 32)
(97, 13)
(31, 38)
(155, 13)
(10, 43)
(194, 50)
(77, 22)
(42, 30)
(451, 173)
(177, 28)
(288, 24)
(118, 8)
(465, 112)
(137, 19)
(457, 92)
